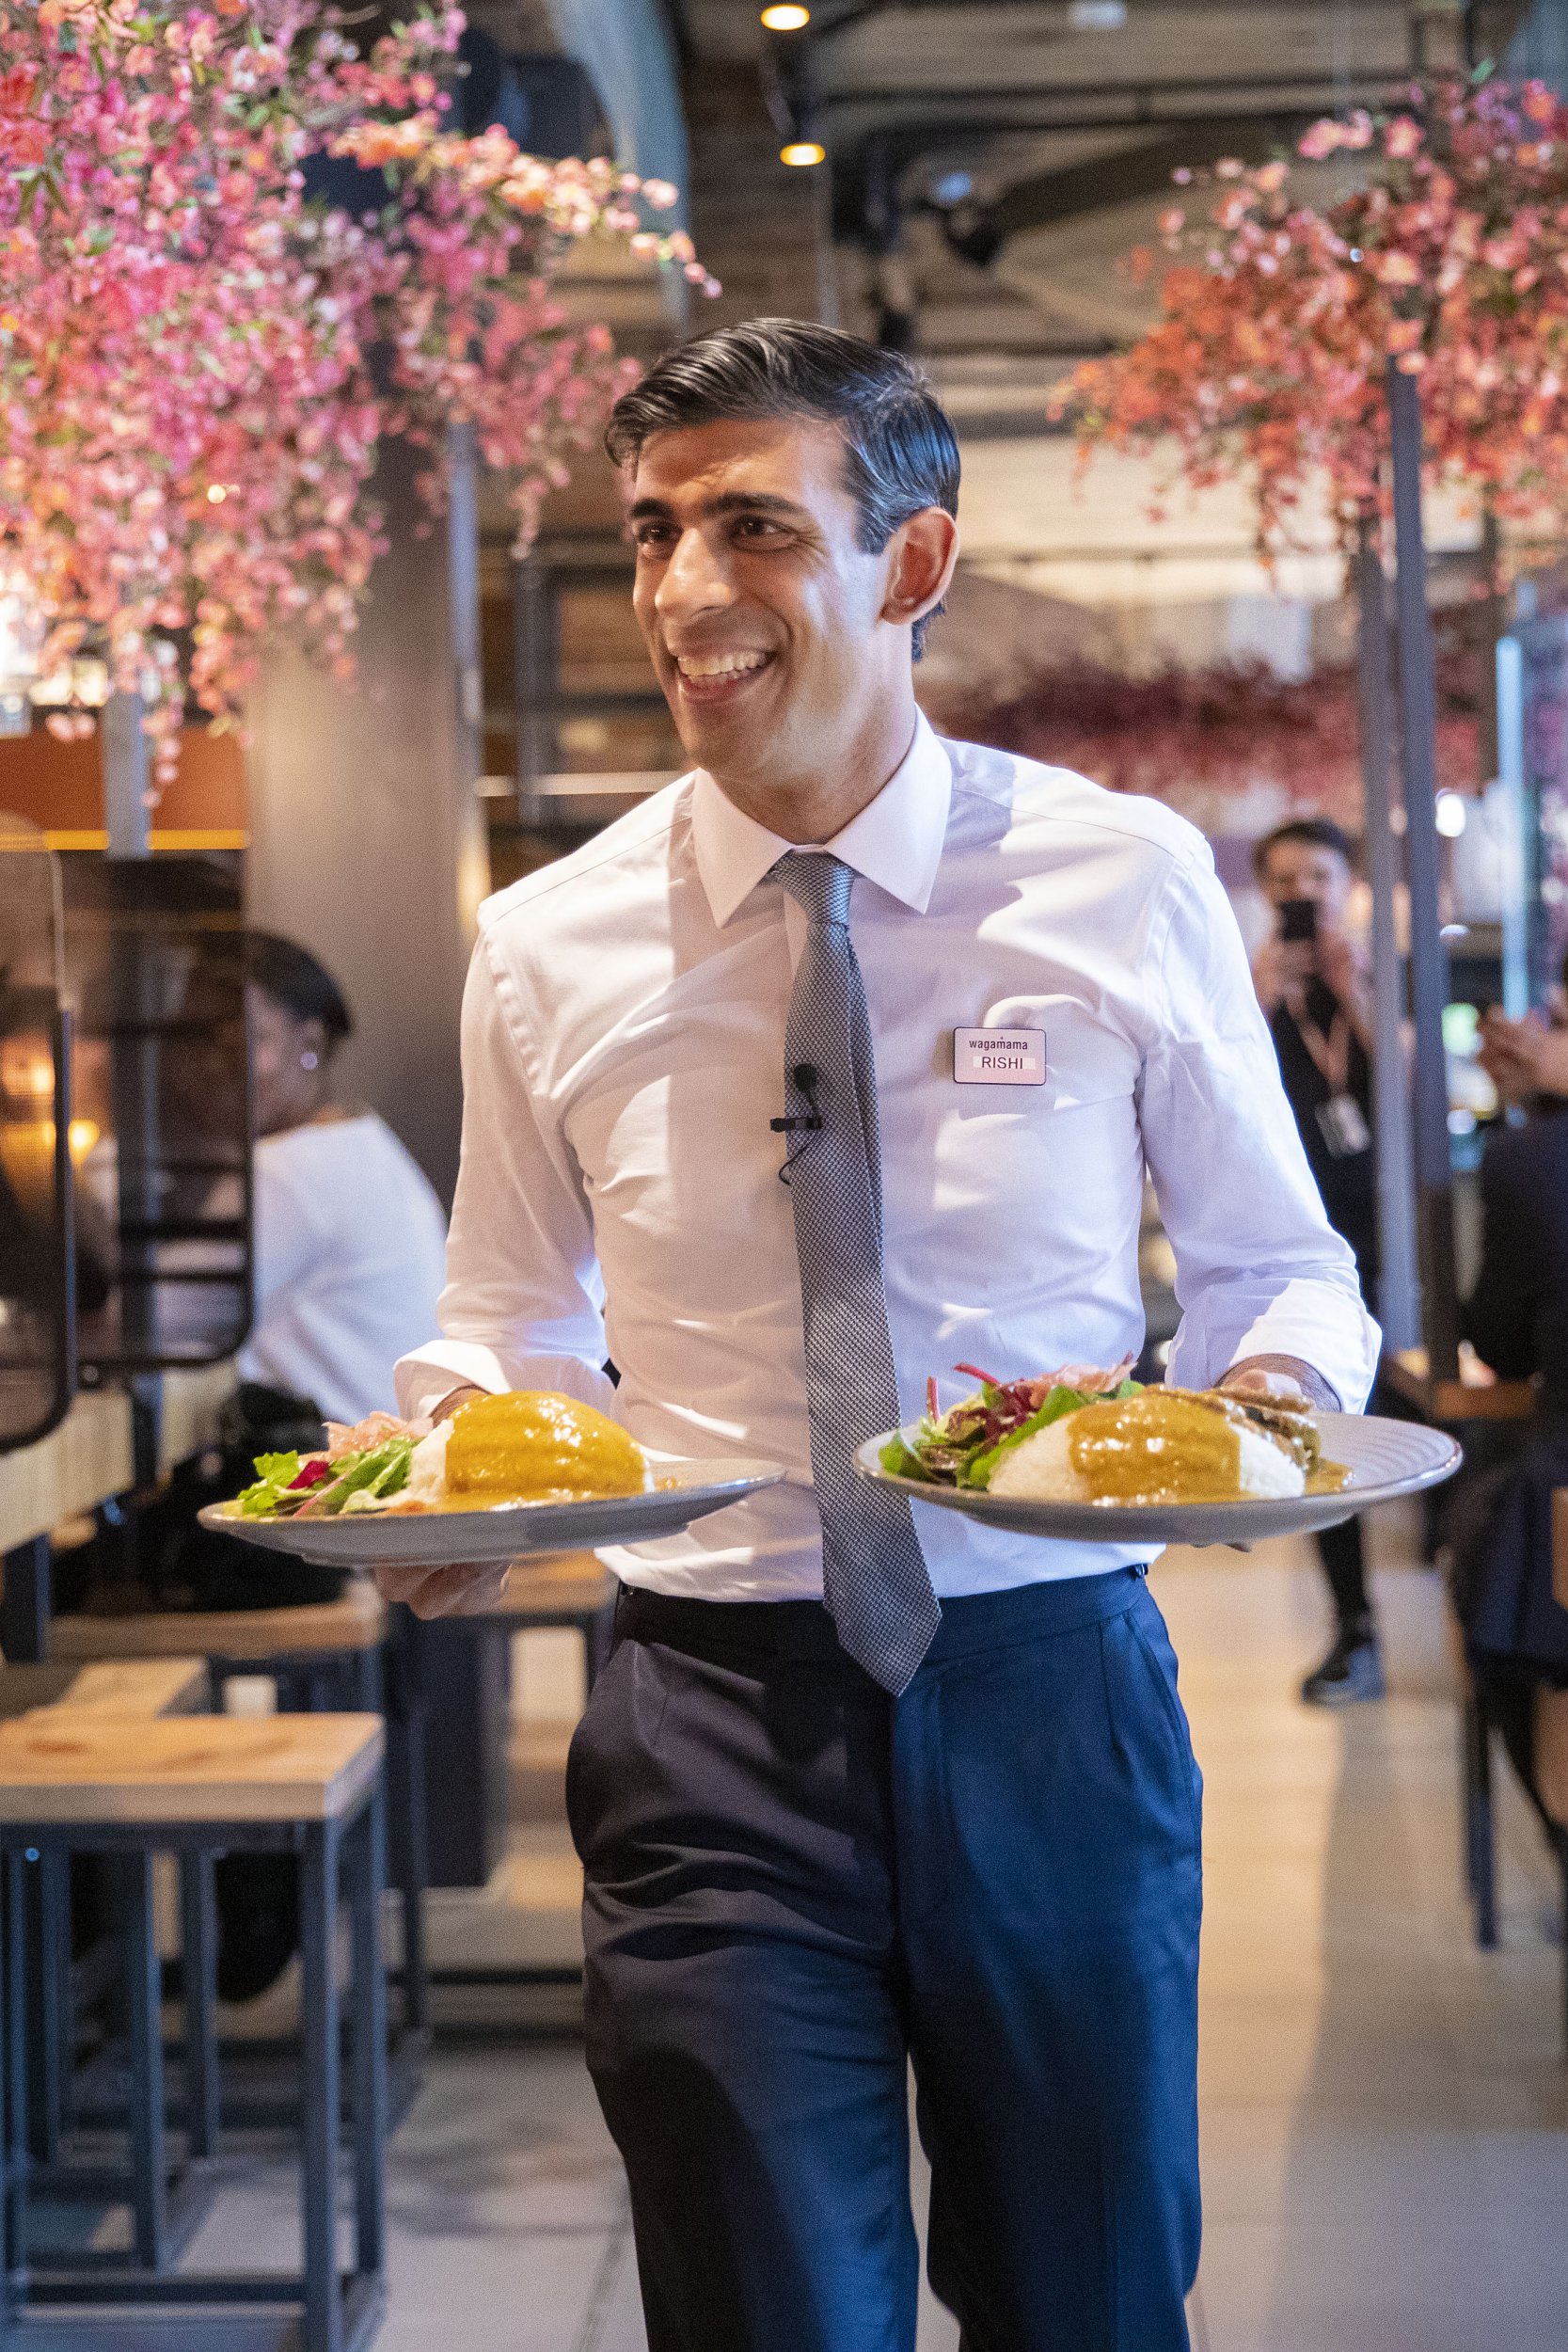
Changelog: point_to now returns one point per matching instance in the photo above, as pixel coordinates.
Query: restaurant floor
(1385, 2109)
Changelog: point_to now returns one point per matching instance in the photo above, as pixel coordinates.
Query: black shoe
(1352, 1670)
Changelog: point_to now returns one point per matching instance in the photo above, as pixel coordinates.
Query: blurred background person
(350, 1237)
(1516, 1319)
(1517, 1316)
(1313, 987)
(350, 1261)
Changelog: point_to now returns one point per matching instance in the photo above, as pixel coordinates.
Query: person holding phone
(1311, 985)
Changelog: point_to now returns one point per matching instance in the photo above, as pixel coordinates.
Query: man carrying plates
(863, 1785)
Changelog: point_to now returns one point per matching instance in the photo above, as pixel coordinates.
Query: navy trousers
(796, 1886)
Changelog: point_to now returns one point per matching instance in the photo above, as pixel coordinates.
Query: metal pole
(1398, 1293)
(1427, 961)
(134, 1075)
(1510, 779)
(126, 814)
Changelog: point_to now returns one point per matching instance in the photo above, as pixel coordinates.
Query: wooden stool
(329, 1653)
(136, 1692)
(74, 1781)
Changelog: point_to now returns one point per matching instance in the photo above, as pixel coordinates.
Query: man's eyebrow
(728, 503)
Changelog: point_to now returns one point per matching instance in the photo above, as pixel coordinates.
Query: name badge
(999, 1058)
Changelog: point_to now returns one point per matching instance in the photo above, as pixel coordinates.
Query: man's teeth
(718, 664)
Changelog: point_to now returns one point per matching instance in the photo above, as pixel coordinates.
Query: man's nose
(695, 579)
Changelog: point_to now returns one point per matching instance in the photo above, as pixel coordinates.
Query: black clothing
(1517, 1319)
(1515, 1633)
(1345, 1568)
(1347, 1181)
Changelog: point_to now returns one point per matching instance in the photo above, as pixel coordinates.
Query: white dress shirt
(623, 1053)
(350, 1249)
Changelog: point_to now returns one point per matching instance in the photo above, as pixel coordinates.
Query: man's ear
(922, 555)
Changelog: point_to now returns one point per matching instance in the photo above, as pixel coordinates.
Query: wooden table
(130, 1690)
(1468, 1398)
(76, 1781)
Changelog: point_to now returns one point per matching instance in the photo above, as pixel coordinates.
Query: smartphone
(1298, 922)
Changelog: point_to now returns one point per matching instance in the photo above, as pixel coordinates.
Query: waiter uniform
(803, 1871)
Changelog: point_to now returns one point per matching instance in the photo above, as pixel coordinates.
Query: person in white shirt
(860, 1787)
(350, 1237)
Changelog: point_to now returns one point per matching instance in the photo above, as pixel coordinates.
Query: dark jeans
(795, 1885)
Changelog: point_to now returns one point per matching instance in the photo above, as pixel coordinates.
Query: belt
(801, 1631)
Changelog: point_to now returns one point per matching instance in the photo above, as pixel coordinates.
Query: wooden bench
(312, 1634)
(138, 1691)
(77, 1780)
(322, 1654)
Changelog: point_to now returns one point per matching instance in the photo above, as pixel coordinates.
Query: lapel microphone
(805, 1077)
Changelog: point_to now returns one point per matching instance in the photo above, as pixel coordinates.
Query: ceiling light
(801, 152)
(217, 493)
(953, 187)
(785, 20)
(1450, 814)
(1097, 16)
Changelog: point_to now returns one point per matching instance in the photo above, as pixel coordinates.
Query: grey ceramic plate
(1384, 1458)
(509, 1532)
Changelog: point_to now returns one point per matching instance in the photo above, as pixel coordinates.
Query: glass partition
(37, 1336)
(154, 952)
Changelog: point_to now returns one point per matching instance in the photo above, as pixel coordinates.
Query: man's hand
(449, 1404)
(468, 1589)
(1280, 1380)
(1524, 1057)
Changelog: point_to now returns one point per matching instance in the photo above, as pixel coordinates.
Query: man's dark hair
(291, 976)
(902, 453)
(1319, 832)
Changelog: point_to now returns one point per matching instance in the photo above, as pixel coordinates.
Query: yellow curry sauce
(1161, 1446)
(529, 1446)
(1170, 1445)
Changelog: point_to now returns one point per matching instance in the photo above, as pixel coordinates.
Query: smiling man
(861, 1787)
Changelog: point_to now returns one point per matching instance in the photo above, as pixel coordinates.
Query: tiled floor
(1385, 2109)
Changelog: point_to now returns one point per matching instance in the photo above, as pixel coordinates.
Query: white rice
(427, 1468)
(1041, 1469)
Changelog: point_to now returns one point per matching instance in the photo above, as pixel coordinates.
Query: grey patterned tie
(874, 1572)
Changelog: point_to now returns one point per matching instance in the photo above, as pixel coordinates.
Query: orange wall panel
(59, 787)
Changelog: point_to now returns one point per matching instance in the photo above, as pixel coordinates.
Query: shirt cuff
(1324, 1325)
(429, 1376)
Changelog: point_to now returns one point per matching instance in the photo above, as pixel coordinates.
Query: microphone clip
(805, 1078)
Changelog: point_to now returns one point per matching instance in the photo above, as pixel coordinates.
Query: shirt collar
(895, 841)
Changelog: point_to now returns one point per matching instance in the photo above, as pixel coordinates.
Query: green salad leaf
(275, 1474)
(376, 1477)
(900, 1460)
(364, 1479)
(977, 1472)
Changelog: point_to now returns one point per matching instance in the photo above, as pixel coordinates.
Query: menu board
(36, 1353)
